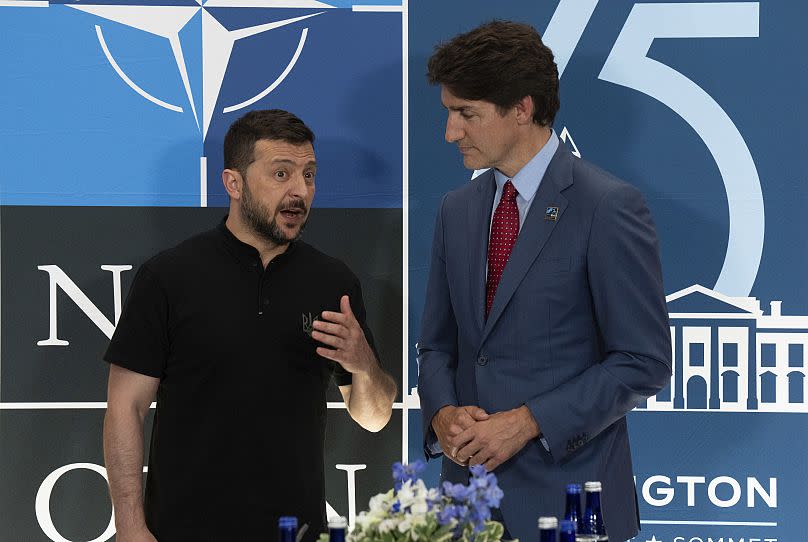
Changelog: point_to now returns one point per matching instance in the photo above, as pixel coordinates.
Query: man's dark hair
(499, 62)
(277, 124)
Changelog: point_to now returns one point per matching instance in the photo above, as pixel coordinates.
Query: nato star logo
(167, 21)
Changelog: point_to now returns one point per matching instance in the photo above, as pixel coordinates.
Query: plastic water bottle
(572, 510)
(593, 517)
(336, 529)
(287, 529)
(566, 532)
(547, 529)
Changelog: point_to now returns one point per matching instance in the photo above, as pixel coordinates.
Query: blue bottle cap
(287, 522)
(573, 488)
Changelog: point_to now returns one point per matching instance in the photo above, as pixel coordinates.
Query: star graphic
(653, 539)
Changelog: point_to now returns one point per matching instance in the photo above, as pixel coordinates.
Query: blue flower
(402, 473)
(480, 513)
(492, 496)
(447, 514)
(456, 512)
(398, 475)
(458, 492)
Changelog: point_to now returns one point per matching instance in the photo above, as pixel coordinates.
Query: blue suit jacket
(578, 332)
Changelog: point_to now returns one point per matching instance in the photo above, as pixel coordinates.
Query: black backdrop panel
(46, 424)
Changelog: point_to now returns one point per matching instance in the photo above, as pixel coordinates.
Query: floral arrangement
(411, 512)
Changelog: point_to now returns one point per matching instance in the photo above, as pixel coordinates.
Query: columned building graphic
(730, 356)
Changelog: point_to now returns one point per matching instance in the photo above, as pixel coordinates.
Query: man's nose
(298, 188)
(453, 131)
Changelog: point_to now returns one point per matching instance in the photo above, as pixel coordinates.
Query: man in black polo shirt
(237, 333)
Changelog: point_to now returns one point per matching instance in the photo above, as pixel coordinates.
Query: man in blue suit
(545, 318)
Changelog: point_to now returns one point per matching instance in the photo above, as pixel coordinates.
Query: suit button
(482, 361)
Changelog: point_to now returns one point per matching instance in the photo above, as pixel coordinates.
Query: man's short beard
(256, 217)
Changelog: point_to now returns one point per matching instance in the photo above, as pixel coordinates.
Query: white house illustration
(729, 356)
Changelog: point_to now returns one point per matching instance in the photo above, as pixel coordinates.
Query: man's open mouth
(292, 213)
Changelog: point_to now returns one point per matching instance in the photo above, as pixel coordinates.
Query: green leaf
(495, 530)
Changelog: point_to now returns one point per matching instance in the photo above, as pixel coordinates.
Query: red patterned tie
(504, 230)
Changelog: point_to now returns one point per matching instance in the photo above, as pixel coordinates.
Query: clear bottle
(336, 529)
(593, 516)
(572, 510)
(287, 529)
(566, 531)
(548, 527)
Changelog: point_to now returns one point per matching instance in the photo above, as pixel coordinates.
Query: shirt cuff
(432, 444)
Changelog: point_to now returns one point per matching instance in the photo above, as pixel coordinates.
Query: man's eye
(280, 174)
(309, 174)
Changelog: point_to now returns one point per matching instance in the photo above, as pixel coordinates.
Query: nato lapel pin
(551, 213)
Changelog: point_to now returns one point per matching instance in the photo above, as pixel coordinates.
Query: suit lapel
(534, 233)
(479, 219)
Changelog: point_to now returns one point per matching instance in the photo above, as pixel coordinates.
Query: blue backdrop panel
(701, 106)
(129, 104)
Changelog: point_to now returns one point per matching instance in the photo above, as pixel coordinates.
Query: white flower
(419, 507)
(387, 525)
(366, 521)
(405, 524)
(406, 495)
(362, 520)
(380, 502)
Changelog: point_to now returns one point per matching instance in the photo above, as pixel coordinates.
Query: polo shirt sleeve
(140, 341)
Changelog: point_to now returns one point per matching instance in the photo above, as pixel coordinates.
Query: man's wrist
(528, 423)
(371, 369)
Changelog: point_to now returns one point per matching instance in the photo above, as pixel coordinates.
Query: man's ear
(232, 181)
(524, 110)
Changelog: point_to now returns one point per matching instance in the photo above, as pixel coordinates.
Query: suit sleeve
(625, 278)
(437, 345)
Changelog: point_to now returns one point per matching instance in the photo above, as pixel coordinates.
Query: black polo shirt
(239, 431)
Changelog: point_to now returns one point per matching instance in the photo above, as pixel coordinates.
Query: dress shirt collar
(527, 180)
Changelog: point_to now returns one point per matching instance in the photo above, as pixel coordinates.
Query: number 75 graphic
(628, 65)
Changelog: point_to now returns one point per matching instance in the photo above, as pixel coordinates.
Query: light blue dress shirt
(526, 181)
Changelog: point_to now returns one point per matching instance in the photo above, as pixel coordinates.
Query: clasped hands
(469, 435)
